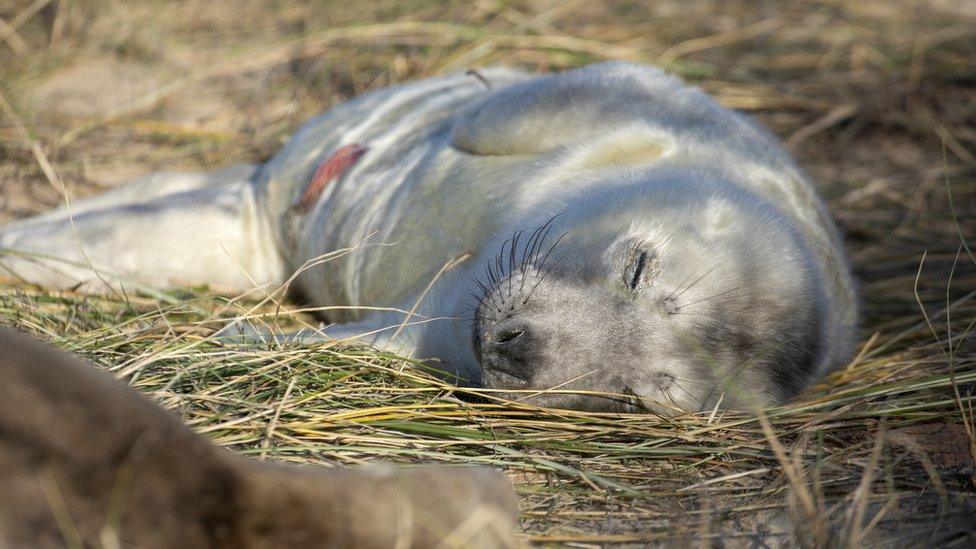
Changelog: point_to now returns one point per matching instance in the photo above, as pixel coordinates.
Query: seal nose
(506, 349)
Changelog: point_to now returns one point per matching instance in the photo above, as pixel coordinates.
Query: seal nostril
(507, 336)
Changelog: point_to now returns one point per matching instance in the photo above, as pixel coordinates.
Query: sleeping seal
(602, 230)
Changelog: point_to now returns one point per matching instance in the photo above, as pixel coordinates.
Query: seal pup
(87, 461)
(607, 229)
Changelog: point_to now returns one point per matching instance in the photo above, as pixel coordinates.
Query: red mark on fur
(328, 171)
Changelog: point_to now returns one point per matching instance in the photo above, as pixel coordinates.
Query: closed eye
(638, 269)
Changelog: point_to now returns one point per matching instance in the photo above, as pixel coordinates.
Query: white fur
(624, 152)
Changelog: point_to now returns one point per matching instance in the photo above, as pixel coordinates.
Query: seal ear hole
(720, 218)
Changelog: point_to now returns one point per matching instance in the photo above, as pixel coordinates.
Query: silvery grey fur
(603, 229)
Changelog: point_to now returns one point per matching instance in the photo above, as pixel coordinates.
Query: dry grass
(877, 99)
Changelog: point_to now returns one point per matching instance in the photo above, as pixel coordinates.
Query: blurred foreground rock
(87, 461)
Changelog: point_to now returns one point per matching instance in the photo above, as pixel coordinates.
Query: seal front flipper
(380, 331)
(377, 331)
(553, 111)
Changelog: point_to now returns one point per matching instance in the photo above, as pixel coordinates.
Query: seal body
(607, 230)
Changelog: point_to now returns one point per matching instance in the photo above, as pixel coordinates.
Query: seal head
(660, 298)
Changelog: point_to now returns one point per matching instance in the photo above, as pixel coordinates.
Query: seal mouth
(493, 378)
(500, 376)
